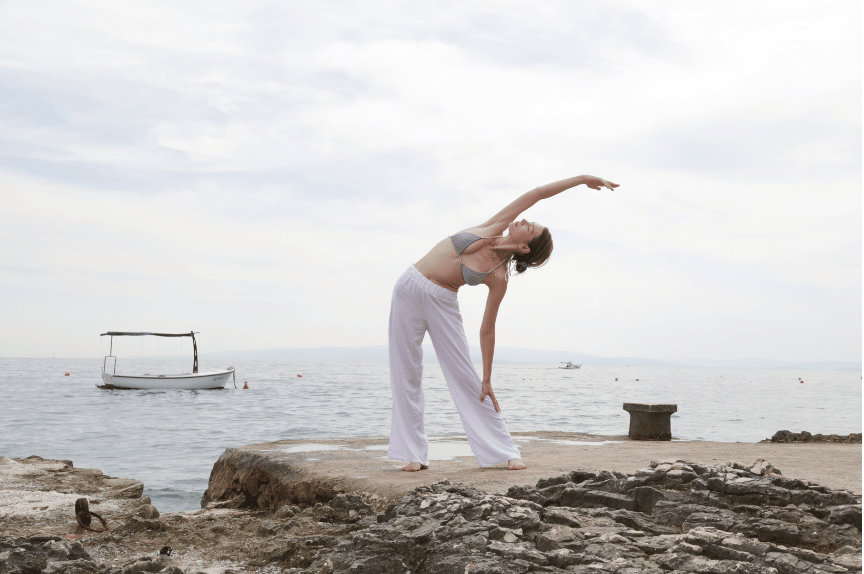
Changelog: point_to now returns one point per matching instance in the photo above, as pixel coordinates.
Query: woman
(424, 299)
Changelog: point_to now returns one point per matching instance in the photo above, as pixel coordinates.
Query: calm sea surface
(170, 439)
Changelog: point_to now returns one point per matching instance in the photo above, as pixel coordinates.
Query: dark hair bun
(539, 250)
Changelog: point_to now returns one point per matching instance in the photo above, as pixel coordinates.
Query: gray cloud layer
(264, 171)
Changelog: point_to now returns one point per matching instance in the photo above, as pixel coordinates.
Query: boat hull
(211, 380)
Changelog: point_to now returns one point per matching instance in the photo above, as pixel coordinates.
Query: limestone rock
(147, 512)
(739, 520)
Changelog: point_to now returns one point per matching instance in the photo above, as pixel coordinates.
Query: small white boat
(193, 380)
(569, 365)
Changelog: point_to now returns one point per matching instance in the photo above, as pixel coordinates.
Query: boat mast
(195, 352)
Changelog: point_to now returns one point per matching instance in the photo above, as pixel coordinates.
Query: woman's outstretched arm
(502, 219)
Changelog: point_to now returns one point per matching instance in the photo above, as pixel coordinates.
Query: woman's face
(524, 231)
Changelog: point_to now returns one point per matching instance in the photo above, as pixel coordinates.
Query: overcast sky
(262, 172)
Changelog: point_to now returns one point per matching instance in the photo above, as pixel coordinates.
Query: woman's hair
(541, 249)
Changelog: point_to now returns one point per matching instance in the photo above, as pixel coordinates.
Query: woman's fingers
(599, 183)
(491, 395)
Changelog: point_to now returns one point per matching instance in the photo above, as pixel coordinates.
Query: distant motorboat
(193, 380)
(569, 365)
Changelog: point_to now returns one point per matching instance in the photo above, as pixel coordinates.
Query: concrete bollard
(650, 421)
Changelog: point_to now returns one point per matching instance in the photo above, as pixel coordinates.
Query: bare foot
(514, 464)
(415, 466)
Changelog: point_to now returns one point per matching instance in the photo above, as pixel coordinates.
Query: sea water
(170, 439)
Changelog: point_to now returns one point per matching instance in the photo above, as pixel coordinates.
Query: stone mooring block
(650, 421)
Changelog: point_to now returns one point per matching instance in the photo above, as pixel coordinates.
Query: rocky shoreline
(785, 436)
(672, 515)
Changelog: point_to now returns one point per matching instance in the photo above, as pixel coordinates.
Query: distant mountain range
(519, 356)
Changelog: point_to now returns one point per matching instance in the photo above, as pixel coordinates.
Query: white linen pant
(418, 306)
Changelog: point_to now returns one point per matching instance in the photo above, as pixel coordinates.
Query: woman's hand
(487, 390)
(597, 182)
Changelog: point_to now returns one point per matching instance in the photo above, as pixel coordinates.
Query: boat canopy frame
(113, 334)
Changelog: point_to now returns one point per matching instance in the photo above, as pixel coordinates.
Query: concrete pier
(268, 475)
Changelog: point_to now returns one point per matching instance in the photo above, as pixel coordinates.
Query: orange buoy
(299, 375)
(637, 379)
(65, 374)
(616, 378)
(245, 384)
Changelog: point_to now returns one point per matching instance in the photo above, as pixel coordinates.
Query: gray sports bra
(461, 241)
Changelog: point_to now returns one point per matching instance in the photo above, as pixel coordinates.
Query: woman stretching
(424, 299)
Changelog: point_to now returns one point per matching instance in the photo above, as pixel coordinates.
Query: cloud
(265, 171)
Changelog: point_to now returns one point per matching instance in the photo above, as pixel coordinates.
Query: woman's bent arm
(497, 290)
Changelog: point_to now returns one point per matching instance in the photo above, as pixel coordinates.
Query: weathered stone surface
(355, 465)
(124, 488)
(147, 511)
(585, 529)
(20, 561)
(454, 528)
(722, 520)
(848, 514)
(79, 566)
(645, 497)
(555, 515)
(47, 554)
(264, 482)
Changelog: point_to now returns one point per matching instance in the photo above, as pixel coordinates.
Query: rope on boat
(83, 516)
